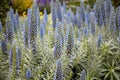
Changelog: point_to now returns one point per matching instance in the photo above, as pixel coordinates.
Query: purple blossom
(28, 73)
(0, 26)
(58, 71)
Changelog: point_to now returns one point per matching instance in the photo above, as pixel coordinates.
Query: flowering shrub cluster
(62, 45)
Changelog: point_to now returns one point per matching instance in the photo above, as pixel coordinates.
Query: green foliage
(4, 7)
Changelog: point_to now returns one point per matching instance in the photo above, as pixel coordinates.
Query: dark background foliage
(23, 5)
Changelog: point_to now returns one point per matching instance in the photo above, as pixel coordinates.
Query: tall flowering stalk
(16, 22)
(4, 44)
(12, 61)
(82, 11)
(33, 27)
(99, 40)
(107, 5)
(70, 40)
(79, 20)
(58, 71)
(112, 20)
(60, 31)
(53, 11)
(26, 34)
(58, 47)
(92, 22)
(33, 23)
(118, 18)
(42, 30)
(18, 58)
(58, 10)
(99, 12)
(9, 27)
(45, 19)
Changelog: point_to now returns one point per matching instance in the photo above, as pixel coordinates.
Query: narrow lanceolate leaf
(58, 47)
(58, 71)
(53, 11)
(83, 75)
(70, 40)
(9, 27)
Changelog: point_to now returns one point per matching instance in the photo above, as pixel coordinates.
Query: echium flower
(11, 58)
(58, 71)
(18, 57)
(45, 19)
(103, 12)
(4, 45)
(42, 30)
(16, 22)
(92, 22)
(29, 17)
(83, 75)
(38, 16)
(118, 18)
(64, 7)
(82, 11)
(11, 14)
(99, 12)
(112, 20)
(71, 16)
(26, 34)
(85, 31)
(28, 74)
(58, 10)
(0, 26)
(58, 47)
(53, 11)
(33, 23)
(60, 31)
(34, 48)
(9, 28)
(107, 5)
(86, 18)
(99, 40)
(70, 40)
(79, 20)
